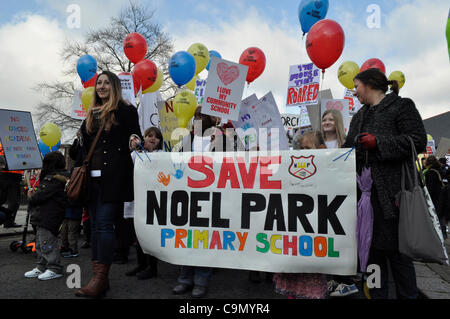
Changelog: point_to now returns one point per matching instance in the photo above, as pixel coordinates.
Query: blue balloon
(86, 67)
(45, 149)
(211, 54)
(182, 67)
(311, 11)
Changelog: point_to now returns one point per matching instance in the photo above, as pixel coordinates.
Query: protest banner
(250, 211)
(148, 110)
(443, 147)
(290, 121)
(168, 122)
(303, 85)
(245, 125)
(126, 80)
(199, 91)
(353, 103)
(78, 112)
(224, 89)
(268, 122)
(339, 105)
(431, 147)
(19, 140)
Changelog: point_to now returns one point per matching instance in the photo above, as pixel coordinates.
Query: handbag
(420, 236)
(76, 185)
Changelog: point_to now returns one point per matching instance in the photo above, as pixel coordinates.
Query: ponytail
(394, 86)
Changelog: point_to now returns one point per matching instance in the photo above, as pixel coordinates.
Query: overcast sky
(410, 38)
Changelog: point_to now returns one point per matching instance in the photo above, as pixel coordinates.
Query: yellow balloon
(201, 56)
(191, 84)
(50, 134)
(184, 106)
(87, 97)
(347, 72)
(399, 77)
(157, 85)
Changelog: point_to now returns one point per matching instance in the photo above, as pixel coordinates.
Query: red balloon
(91, 82)
(136, 84)
(373, 64)
(135, 47)
(325, 43)
(146, 72)
(255, 59)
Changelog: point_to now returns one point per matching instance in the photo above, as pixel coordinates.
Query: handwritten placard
(19, 140)
(224, 89)
(303, 85)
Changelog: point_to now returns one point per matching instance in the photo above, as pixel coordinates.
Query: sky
(410, 37)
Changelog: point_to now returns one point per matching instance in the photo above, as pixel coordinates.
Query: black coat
(48, 205)
(392, 122)
(117, 170)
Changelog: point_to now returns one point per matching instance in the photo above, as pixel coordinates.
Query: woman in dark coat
(110, 178)
(381, 133)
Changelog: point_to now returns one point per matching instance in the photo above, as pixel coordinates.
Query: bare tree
(106, 46)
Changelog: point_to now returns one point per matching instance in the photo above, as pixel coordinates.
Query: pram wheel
(14, 246)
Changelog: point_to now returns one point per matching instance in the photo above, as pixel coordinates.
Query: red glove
(368, 141)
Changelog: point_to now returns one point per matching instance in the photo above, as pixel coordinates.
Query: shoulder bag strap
(91, 150)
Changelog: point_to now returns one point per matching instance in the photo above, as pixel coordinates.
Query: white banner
(252, 210)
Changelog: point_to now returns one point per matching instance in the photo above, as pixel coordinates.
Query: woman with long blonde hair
(110, 177)
(333, 129)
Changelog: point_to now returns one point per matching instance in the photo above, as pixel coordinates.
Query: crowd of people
(111, 138)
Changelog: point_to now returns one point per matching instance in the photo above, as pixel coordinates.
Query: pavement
(433, 280)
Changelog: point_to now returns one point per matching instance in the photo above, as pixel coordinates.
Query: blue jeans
(102, 217)
(198, 276)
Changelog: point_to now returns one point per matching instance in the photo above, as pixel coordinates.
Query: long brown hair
(338, 124)
(107, 116)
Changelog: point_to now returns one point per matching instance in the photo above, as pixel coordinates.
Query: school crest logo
(302, 167)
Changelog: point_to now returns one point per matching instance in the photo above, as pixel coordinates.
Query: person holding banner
(303, 285)
(110, 176)
(333, 128)
(381, 131)
(147, 266)
(203, 138)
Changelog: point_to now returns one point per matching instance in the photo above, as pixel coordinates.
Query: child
(70, 230)
(303, 285)
(147, 266)
(48, 205)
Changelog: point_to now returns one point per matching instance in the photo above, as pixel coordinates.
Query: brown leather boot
(98, 284)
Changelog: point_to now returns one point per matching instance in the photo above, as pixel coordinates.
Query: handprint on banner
(179, 171)
(163, 179)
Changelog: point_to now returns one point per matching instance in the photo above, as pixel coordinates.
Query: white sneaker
(344, 290)
(33, 273)
(48, 274)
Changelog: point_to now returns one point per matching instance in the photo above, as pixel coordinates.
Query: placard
(353, 103)
(303, 85)
(199, 92)
(19, 140)
(78, 112)
(251, 211)
(126, 80)
(148, 110)
(224, 89)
